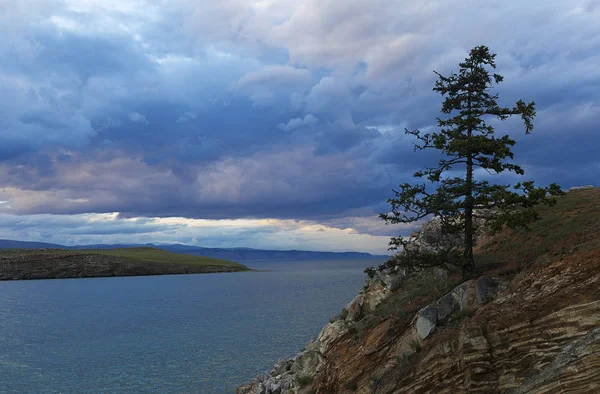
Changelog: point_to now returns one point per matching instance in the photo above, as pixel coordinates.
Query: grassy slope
(568, 231)
(571, 227)
(139, 255)
(151, 255)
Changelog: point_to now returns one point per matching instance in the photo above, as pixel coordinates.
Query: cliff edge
(528, 322)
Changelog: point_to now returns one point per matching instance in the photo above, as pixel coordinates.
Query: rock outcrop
(540, 336)
(537, 335)
(467, 297)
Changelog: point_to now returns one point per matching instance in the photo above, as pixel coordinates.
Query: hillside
(528, 321)
(59, 263)
(235, 254)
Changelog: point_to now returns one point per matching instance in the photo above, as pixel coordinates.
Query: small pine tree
(467, 142)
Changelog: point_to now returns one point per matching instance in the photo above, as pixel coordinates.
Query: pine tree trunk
(469, 261)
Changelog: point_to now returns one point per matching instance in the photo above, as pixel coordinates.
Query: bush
(458, 316)
(374, 380)
(304, 381)
(404, 358)
(415, 345)
(352, 386)
(344, 313)
(370, 272)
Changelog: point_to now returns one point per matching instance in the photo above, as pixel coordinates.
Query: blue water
(165, 334)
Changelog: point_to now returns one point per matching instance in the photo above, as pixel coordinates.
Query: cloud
(268, 81)
(256, 233)
(136, 117)
(291, 109)
(34, 116)
(188, 116)
(297, 123)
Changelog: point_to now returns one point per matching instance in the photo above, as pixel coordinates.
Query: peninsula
(17, 264)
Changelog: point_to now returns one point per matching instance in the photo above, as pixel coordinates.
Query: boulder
(375, 295)
(445, 307)
(392, 278)
(308, 363)
(426, 321)
(486, 289)
(282, 366)
(330, 333)
(460, 294)
(431, 238)
(355, 308)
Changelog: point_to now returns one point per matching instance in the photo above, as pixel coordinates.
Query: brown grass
(572, 226)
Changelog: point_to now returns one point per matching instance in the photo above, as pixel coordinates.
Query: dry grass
(572, 226)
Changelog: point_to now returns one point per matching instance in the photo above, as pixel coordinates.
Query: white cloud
(255, 233)
(186, 117)
(136, 117)
(264, 83)
(297, 123)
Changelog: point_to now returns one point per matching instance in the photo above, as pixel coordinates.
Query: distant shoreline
(63, 264)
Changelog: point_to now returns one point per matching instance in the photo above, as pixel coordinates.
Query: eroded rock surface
(540, 334)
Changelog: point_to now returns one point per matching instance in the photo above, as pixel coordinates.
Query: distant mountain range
(235, 254)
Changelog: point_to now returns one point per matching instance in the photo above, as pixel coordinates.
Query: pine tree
(467, 142)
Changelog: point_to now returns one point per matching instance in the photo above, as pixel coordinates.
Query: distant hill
(9, 244)
(235, 254)
(52, 263)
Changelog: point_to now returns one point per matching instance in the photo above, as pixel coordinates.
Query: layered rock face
(540, 336)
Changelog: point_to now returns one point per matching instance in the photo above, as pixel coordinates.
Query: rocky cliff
(529, 322)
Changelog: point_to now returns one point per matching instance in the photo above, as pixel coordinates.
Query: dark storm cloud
(291, 109)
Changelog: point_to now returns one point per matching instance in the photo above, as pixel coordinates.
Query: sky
(263, 123)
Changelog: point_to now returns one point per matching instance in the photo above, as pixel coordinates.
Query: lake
(166, 334)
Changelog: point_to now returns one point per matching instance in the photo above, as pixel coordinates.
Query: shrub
(404, 358)
(374, 380)
(458, 316)
(370, 272)
(304, 381)
(352, 386)
(344, 313)
(415, 345)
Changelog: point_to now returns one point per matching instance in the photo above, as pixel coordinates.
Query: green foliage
(415, 345)
(405, 302)
(304, 381)
(404, 358)
(352, 386)
(370, 272)
(344, 313)
(374, 381)
(460, 315)
(467, 142)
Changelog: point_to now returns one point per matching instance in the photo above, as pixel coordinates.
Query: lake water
(165, 334)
